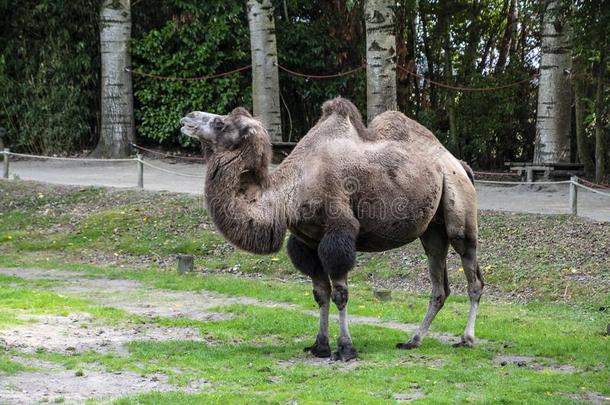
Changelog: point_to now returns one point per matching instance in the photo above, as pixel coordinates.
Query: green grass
(549, 275)
(245, 359)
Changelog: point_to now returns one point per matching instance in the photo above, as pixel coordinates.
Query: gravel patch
(53, 384)
(80, 332)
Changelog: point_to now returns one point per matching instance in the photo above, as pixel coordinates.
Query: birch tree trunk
(453, 131)
(584, 155)
(117, 123)
(554, 96)
(380, 58)
(265, 82)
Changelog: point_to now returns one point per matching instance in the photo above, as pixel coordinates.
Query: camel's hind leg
(435, 244)
(467, 249)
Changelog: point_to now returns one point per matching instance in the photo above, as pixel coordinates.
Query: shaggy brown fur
(344, 188)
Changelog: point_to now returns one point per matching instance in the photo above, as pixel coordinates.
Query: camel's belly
(370, 242)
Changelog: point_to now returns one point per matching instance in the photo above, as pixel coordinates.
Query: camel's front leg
(321, 293)
(306, 260)
(337, 252)
(345, 350)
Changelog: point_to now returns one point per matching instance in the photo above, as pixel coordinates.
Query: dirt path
(530, 199)
(81, 332)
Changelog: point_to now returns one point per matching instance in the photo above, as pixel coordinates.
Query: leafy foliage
(49, 75)
(197, 39)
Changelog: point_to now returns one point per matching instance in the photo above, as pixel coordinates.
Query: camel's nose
(197, 117)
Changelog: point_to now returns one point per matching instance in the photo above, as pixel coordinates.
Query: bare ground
(51, 383)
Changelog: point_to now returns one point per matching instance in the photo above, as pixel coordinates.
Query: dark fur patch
(304, 258)
(337, 252)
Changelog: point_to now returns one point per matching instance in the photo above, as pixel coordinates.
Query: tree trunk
(453, 131)
(265, 82)
(508, 38)
(117, 123)
(380, 58)
(600, 154)
(554, 96)
(580, 112)
(429, 58)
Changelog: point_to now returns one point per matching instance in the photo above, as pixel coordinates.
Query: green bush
(49, 74)
(198, 39)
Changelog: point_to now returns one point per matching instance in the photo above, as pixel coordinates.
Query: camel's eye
(218, 125)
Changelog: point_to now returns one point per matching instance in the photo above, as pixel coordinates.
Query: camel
(344, 188)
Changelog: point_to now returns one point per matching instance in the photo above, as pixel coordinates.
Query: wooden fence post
(5, 163)
(185, 264)
(529, 175)
(573, 195)
(140, 172)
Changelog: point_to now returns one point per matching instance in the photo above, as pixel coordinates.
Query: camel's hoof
(411, 344)
(319, 349)
(465, 342)
(345, 353)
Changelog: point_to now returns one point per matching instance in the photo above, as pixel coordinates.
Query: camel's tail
(469, 171)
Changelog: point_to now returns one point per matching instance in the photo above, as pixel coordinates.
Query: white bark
(554, 95)
(380, 58)
(265, 82)
(117, 126)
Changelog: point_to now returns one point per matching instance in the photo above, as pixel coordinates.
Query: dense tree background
(49, 69)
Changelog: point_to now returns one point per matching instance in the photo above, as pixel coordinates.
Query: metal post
(140, 172)
(573, 195)
(6, 162)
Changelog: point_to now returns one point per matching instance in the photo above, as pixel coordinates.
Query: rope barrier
(464, 88)
(145, 163)
(186, 79)
(496, 174)
(521, 183)
(591, 184)
(321, 77)
(332, 76)
(154, 152)
(67, 158)
(169, 171)
(591, 189)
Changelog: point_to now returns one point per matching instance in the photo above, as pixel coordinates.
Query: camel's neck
(246, 203)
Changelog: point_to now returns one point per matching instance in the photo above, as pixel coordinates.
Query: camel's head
(225, 132)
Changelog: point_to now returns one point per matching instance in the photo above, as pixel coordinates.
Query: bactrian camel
(344, 188)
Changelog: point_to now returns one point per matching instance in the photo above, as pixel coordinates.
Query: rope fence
(465, 88)
(575, 182)
(321, 77)
(138, 159)
(187, 79)
(313, 76)
(166, 155)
